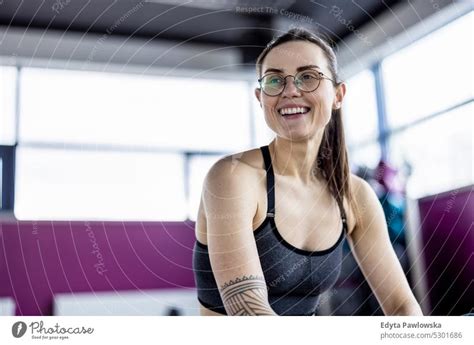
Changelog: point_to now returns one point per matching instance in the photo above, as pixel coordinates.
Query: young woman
(272, 221)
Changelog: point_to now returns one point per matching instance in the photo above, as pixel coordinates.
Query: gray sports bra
(295, 277)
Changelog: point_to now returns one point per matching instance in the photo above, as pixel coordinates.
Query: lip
(294, 116)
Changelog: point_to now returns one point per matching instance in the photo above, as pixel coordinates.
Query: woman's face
(289, 58)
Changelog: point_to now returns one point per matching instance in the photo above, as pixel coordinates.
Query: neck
(296, 159)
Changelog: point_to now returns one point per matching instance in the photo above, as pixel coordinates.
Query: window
(423, 80)
(360, 120)
(8, 77)
(430, 75)
(360, 109)
(439, 151)
(115, 109)
(74, 185)
(365, 155)
(123, 116)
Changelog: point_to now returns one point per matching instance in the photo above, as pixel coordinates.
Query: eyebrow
(301, 68)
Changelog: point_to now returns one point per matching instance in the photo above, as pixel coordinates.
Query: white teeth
(289, 111)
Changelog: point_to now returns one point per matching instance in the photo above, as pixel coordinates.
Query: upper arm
(373, 251)
(230, 204)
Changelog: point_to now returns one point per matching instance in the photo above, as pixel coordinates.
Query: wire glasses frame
(306, 81)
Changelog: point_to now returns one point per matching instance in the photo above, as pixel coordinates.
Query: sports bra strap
(270, 181)
(343, 216)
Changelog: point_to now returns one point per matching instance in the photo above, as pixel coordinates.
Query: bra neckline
(281, 239)
(287, 244)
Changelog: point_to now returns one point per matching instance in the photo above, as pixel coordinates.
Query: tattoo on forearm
(246, 296)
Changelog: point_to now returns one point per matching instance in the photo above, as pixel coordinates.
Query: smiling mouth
(294, 111)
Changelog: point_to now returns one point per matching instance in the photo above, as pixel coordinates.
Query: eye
(306, 76)
(275, 79)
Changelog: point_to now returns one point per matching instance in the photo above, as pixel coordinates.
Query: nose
(290, 89)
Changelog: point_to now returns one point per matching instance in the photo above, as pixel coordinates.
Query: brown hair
(332, 161)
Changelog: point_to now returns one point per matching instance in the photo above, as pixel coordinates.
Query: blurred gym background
(111, 113)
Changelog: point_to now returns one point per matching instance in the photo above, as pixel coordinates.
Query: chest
(306, 217)
(290, 271)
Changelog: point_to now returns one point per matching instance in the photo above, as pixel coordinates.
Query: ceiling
(221, 22)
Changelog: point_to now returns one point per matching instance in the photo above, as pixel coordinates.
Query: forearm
(246, 296)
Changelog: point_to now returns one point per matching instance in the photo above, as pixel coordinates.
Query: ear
(258, 94)
(338, 98)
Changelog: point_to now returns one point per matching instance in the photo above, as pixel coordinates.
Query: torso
(306, 216)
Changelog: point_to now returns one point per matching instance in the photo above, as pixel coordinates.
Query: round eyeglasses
(273, 84)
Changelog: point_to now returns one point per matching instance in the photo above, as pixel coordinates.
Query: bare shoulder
(357, 184)
(231, 183)
(362, 194)
(251, 158)
(229, 202)
(366, 207)
(238, 168)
